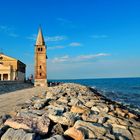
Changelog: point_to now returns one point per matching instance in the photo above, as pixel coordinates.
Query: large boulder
(31, 124)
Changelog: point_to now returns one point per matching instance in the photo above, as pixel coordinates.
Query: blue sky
(85, 38)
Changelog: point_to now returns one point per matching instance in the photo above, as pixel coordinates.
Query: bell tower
(40, 76)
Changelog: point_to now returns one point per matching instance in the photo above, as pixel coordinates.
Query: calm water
(124, 90)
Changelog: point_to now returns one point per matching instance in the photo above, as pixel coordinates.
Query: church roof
(40, 38)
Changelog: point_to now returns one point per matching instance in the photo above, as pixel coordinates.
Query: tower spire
(40, 38)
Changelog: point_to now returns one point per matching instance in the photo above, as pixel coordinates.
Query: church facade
(11, 69)
(40, 75)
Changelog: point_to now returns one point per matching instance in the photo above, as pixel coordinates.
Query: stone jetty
(70, 112)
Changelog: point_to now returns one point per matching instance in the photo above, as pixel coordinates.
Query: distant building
(40, 76)
(11, 68)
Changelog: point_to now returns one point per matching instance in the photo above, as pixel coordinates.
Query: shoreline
(135, 110)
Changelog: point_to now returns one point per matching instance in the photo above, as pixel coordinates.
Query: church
(11, 69)
(40, 75)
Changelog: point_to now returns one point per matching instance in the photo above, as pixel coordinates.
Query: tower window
(40, 74)
(38, 49)
(41, 49)
(40, 67)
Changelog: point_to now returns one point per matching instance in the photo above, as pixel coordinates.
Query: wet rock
(31, 124)
(20, 134)
(74, 133)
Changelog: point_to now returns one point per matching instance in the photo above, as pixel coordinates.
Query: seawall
(9, 86)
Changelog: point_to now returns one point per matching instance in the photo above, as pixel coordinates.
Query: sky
(84, 38)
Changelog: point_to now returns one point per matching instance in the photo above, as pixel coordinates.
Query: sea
(123, 90)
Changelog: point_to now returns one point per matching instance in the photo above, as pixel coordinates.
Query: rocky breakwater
(70, 112)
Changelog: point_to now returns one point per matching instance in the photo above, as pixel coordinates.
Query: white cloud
(8, 30)
(99, 36)
(75, 44)
(79, 58)
(55, 47)
(48, 38)
(55, 38)
(90, 56)
(60, 59)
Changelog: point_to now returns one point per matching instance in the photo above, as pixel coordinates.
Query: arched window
(40, 66)
(40, 74)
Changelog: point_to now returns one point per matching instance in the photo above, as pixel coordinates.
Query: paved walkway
(8, 101)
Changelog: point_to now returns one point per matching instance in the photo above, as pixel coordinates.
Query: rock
(56, 137)
(3, 118)
(74, 133)
(120, 112)
(36, 124)
(3, 129)
(57, 129)
(78, 109)
(121, 131)
(102, 120)
(37, 112)
(67, 118)
(135, 132)
(95, 108)
(132, 116)
(40, 103)
(63, 100)
(20, 134)
(90, 118)
(74, 101)
(90, 104)
(59, 109)
(95, 128)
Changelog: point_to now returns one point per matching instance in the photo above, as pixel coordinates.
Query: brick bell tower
(40, 61)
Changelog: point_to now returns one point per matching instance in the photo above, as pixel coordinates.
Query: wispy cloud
(75, 44)
(55, 38)
(55, 47)
(8, 30)
(99, 36)
(61, 59)
(79, 58)
(48, 38)
(63, 20)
